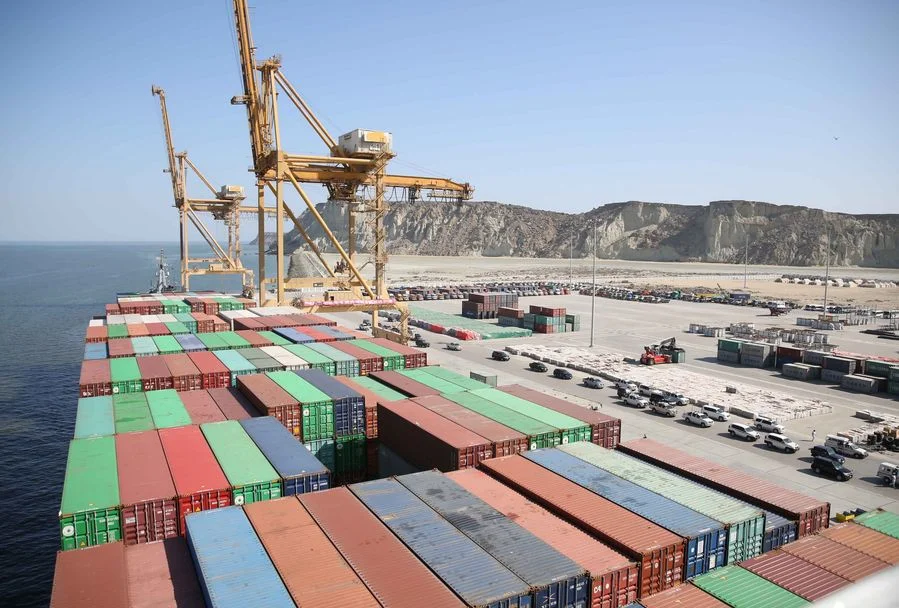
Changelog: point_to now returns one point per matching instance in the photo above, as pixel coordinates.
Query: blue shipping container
(349, 406)
(294, 336)
(555, 579)
(706, 539)
(778, 531)
(190, 343)
(301, 471)
(464, 567)
(95, 350)
(232, 565)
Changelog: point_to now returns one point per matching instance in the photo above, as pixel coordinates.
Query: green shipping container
(318, 408)
(189, 322)
(167, 345)
(393, 361)
(570, 429)
(323, 449)
(213, 341)
(465, 382)
(346, 365)
(893, 387)
(261, 360)
(89, 514)
(349, 458)
(236, 364)
(438, 384)
(745, 523)
(177, 328)
(144, 346)
(125, 375)
(116, 331)
(539, 435)
(275, 339)
(233, 340)
(167, 409)
(251, 476)
(884, 522)
(880, 369)
(742, 589)
(132, 413)
(732, 346)
(94, 417)
(315, 359)
(385, 392)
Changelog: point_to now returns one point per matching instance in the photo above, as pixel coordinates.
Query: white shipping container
(133, 319)
(115, 319)
(96, 323)
(290, 361)
(167, 318)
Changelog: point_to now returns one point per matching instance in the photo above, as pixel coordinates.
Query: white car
(715, 412)
(679, 398)
(768, 425)
(781, 442)
(645, 390)
(453, 346)
(698, 418)
(742, 431)
(665, 409)
(626, 384)
(635, 400)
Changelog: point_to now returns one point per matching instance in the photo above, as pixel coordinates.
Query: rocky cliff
(717, 232)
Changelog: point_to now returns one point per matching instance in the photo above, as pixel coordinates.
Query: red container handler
(404, 385)
(269, 399)
(605, 430)
(390, 570)
(201, 407)
(96, 334)
(505, 441)
(233, 405)
(162, 574)
(146, 489)
(213, 373)
(368, 361)
(185, 375)
(428, 440)
(796, 575)
(413, 356)
(253, 338)
(251, 323)
(154, 373)
(658, 553)
(120, 347)
(199, 481)
(811, 514)
(315, 334)
(841, 560)
(95, 380)
(90, 578)
(371, 406)
(158, 329)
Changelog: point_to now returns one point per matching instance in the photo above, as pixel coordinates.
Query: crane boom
(174, 169)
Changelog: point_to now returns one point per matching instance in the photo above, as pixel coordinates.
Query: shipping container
(177, 328)
(465, 382)
(434, 383)
(132, 413)
(117, 330)
(613, 576)
(390, 570)
(120, 347)
(571, 430)
(234, 340)
(324, 452)
(392, 360)
(405, 384)
(95, 380)
(96, 334)
(251, 476)
(199, 481)
(261, 361)
(413, 356)
(368, 361)
(313, 416)
(315, 334)
(125, 375)
(94, 417)
(658, 552)
(335, 332)
(504, 441)
(298, 469)
(606, 430)
(162, 574)
(232, 404)
(236, 363)
(295, 336)
(94, 351)
(868, 541)
(796, 575)
(741, 588)
(144, 346)
(154, 374)
(185, 375)
(313, 359)
(884, 522)
(349, 459)
(349, 404)
(286, 359)
(383, 392)
(89, 513)
(539, 435)
(254, 338)
(167, 409)
(810, 514)
(213, 373)
(190, 343)
(705, 540)
(212, 341)
(232, 565)
(77, 573)
(146, 489)
(778, 531)
(849, 563)
(271, 400)
(274, 338)
(476, 576)
(371, 404)
(345, 365)
(683, 596)
(167, 345)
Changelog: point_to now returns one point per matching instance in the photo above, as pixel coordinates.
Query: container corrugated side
(251, 476)
(300, 471)
(392, 359)
(89, 513)
(94, 417)
(683, 596)
(232, 565)
(271, 400)
(796, 575)
(571, 430)
(125, 375)
(741, 588)
(476, 576)
(868, 541)
(778, 531)
(371, 404)
(539, 435)
(236, 363)
(185, 375)
(132, 413)
(162, 574)
(213, 373)
(843, 561)
(368, 362)
(505, 441)
(349, 404)
(274, 338)
(167, 409)
(95, 379)
(149, 507)
(414, 357)
(76, 575)
(345, 365)
(313, 359)
(313, 417)
(155, 374)
(884, 522)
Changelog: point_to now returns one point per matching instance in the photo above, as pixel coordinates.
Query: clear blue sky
(556, 105)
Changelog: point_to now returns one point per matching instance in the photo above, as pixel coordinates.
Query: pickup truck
(663, 408)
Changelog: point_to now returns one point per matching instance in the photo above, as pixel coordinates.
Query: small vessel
(161, 282)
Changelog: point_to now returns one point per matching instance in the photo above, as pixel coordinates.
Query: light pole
(570, 259)
(593, 291)
(746, 262)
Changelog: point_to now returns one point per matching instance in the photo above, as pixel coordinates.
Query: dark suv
(825, 451)
(562, 374)
(536, 366)
(831, 468)
(500, 355)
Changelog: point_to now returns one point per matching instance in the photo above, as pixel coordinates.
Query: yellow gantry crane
(225, 205)
(354, 171)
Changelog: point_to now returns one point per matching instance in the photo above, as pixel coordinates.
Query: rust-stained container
(613, 576)
(205, 323)
(271, 400)
(505, 441)
(604, 430)
(428, 440)
(402, 384)
(796, 575)
(232, 404)
(95, 380)
(162, 574)
(658, 553)
(313, 571)
(392, 572)
(146, 489)
(97, 333)
(843, 561)
(199, 481)
(154, 373)
(120, 347)
(185, 375)
(413, 356)
(682, 596)
(90, 578)
(254, 338)
(371, 406)
(213, 373)
(811, 514)
(368, 361)
(868, 541)
(201, 407)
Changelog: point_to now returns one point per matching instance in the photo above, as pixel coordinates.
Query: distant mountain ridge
(788, 235)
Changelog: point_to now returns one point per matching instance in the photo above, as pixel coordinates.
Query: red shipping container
(392, 572)
(196, 304)
(120, 347)
(605, 430)
(90, 578)
(315, 334)
(185, 375)
(220, 325)
(96, 334)
(113, 309)
(402, 384)
(868, 541)
(199, 481)
(371, 406)
(158, 329)
(270, 399)
(505, 441)
(254, 338)
(149, 510)
(428, 440)
(658, 553)
(811, 514)
(836, 558)
(796, 575)
(162, 574)
(211, 307)
(253, 323)
(353, 332)
(277, 321)
(311, 319)
(137, 330)
(413, 356)
(205, 323)
(614, 576)
(95, 380)
(201, 407)
(368, 362)
(232, 404)
(154, 373)
(213, 373)
(683, 596)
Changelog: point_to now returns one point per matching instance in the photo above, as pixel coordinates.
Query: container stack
(837, 367)
(729, 350)
(487, 305)
(544, 320)
(756, 354)
(510, 317)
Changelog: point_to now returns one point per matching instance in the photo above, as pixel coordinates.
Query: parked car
(634, 400)
(626, 384)
(831, 468)
(888, 473)
(742, 431)
(422, 343)
(767, 424)
(622, 392)
(645, 390)
(591, 382)
(500, 355)
(698, 418)
(664, 408)
(453, 346)
(845, 446)
(562, 374)
(537, 366)
(715, 412)
(678, 398)
(824, 451)
(781, 442)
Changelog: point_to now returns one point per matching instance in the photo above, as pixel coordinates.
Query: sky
(554, 105)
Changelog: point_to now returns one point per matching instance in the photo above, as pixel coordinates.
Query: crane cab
(231, 193)
(361, 143)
